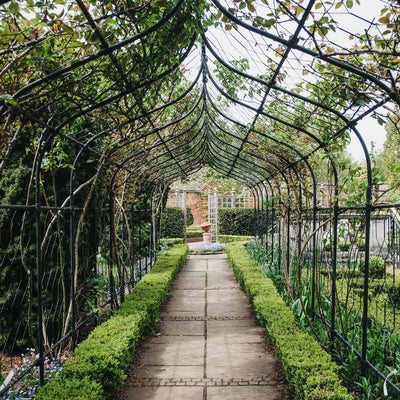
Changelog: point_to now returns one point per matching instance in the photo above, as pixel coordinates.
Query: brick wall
(195, 200)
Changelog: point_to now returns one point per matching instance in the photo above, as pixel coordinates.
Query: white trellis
(216, 201)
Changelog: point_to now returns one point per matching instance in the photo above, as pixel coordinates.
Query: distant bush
(236, 221)
(172, 222)
(189, 217)
(376, 267)
(233, 238)
(170, 241)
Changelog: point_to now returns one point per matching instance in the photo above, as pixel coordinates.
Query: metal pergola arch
(206, 145)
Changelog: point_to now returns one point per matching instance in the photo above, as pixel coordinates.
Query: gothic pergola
(145, 93)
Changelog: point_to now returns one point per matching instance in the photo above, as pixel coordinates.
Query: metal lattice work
(104, 105)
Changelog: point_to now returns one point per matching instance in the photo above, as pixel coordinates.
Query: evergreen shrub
(376, 267)
(233, 238)
(172, 222)
(236, 221)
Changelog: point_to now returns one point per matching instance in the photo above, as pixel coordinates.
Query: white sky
(370, 130)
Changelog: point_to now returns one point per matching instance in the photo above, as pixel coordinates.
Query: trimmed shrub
(98, 366)
(307, 367)
(172, 222)
(236, 221)
(344, 246)
(73, 389)
(194, 234)
(233, 238)
(376, 267)
(171, 241)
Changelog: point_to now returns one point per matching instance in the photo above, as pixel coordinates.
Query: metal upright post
(209, 205)
(216, 213)
(184, 215)
(176, 197)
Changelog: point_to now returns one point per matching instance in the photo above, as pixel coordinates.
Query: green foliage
(376, 267)
(194, 234)
(236, 221)
(344, 246)
(390, 155)
(171, 241)
(233, 238)
(308, 368)
(73, 389)
(172, 223)
(189, 216)
(99, 364)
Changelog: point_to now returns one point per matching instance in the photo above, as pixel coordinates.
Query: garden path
(207, 345)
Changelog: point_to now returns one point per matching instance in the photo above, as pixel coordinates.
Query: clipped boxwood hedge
(233, 238)
(236, 221)
(171, 241)
(98, 366)
(307, 367)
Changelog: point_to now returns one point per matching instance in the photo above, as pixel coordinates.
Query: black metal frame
(198, 137)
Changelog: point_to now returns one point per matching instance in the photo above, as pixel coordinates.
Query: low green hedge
(233, 238)
(307, 367)
(194, 234)
(170, 241)
(98, 367)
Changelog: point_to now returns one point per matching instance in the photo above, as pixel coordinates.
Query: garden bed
(98, 367)
(307, 367)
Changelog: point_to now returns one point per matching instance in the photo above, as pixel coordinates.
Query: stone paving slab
(207, 345)
(163, 393)
(244, 393)
(180, 328)
(169, 372)
(180, 352)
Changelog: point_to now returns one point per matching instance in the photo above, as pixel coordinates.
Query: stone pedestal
(207, 237)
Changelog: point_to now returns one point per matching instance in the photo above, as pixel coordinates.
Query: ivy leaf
(384, 20)
(251, 7)
(9, 99)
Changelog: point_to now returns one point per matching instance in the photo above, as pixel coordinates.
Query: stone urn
(206, 226)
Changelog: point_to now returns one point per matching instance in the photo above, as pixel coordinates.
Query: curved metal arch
(289, 164)
(276, 119)
(294, 149)
(131, 89)
(216, 137)
(189, 157)
(171, 138)
(349, 123)
(249, 141)
(241, 175)
(149, 174)
(105, 51)
(218, 154)
(294, 45)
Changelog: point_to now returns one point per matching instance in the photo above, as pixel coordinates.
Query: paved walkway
(208, 345)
